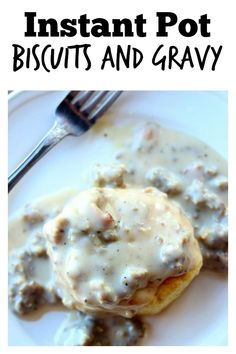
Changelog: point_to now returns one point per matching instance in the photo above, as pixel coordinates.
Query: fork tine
(81, 98)
(69, 97)
(92, 101)
(105, 103)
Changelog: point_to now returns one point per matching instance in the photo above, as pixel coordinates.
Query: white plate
(199, 316)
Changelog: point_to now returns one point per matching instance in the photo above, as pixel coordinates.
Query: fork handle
(54, 135)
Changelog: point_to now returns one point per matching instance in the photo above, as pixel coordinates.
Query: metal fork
(75, 115)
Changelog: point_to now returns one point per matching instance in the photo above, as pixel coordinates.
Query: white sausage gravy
(108, 243)
(93, 250)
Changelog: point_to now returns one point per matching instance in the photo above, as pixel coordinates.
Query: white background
(146, 76)
(12, 27)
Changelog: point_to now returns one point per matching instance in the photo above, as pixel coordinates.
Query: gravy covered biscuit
(121, 251)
